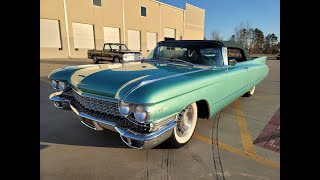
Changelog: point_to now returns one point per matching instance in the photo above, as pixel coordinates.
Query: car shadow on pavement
(42, 146)
(64, 127)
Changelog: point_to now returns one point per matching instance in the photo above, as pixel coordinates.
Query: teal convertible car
(161, 97)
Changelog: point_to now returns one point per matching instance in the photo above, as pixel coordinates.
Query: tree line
(252, 38)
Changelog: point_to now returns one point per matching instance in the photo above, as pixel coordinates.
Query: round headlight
(124, 108)
(61, 86)
(140, 114)
(54, 84)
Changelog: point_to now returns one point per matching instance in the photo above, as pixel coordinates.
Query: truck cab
(115, 52)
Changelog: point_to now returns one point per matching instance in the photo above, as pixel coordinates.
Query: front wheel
(250, 93)
(184, 130)
(95, 60)
(116, 59)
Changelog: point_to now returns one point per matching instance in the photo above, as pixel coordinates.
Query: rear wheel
(250, 93)
(184, 130)
(95, 60)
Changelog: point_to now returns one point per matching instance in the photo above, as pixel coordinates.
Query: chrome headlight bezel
(54, 84)
(124, 109)
(141, 113)
(61, 86)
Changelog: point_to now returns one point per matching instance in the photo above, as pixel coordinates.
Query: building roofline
(195, 6)
(167, 5)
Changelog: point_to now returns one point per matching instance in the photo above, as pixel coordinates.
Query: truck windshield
(118, 47)
(196, 53)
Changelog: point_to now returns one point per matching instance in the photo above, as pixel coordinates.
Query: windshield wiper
(179, 60)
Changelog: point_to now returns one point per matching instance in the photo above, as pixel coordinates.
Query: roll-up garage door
(134, 40)
(169, 33)
(151, 40)
(83, 36)
(50, 33)
(111, 35)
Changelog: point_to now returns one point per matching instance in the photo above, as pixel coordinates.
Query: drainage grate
(269, 137)
(274, 141)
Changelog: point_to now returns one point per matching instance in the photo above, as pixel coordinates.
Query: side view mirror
(232, 62)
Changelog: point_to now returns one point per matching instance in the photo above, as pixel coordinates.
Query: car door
(238, 76)
(106, 52)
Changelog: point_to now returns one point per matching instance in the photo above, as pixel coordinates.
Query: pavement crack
(198, 159)
(147, 163)
(162, 162)
(212, 146)
(168, 164)
(217, 143)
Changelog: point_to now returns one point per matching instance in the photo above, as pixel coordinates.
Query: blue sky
(224, 15)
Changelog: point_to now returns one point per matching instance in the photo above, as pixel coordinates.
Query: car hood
(127, 52)
(116, 82)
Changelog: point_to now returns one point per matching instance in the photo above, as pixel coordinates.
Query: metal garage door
(134, 40)
(169, 33)
(50, 33)
(151, 40)
(111, 35)
(83, 36)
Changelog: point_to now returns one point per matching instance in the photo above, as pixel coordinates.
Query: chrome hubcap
(185, 121)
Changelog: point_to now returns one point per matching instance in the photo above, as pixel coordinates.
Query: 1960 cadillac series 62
(161, 97)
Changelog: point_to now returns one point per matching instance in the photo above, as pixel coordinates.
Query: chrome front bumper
(132, 139)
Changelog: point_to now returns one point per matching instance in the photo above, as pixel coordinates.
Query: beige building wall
(53, 9)
(194, 22)
(122, 14)
(172, 18)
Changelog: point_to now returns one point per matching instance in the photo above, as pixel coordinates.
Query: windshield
(196, 53)
(118, 47)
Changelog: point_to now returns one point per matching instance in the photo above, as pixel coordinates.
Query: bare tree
(243, 34)
(215, 35)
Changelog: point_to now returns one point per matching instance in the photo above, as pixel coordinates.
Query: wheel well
(203, 109)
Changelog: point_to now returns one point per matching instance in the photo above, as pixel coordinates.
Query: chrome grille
(101, 106)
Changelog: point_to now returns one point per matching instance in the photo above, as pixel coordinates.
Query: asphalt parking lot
(240, 142)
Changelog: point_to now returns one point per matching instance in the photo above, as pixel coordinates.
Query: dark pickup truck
(114, 52)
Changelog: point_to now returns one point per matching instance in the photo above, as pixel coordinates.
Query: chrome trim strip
(88, 125)
(57, 105)
(139, 137)
(74, 110)
(127, 83)
(158, 79)
(129, 143)
(55, 97)
(81, 114)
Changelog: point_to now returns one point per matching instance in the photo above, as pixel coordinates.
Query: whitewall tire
(250, 93)
(184, 130)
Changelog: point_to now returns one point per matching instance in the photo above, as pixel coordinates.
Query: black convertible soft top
(228, 44)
